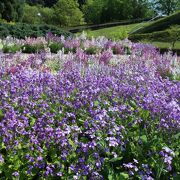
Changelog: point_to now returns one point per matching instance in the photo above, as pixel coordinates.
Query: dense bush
(161, 24)
(22, 30)
(11, 49)
(28, 48)
(55, 47)
(92, 50)
(11, 10)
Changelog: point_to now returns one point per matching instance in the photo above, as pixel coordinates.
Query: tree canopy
(166, 6)
(67, 13)
(11, 10)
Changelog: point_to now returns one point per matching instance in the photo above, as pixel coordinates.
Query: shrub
(28, 48)
(92, 50)
(22, 30)
(67, 50)
(155, 36)
(3, 31)
(174, 34)
(55, 47)
(11, 49)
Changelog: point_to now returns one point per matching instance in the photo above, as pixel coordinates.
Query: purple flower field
(96, 110)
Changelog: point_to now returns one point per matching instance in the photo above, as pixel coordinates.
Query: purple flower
(1, 158)
(16, 174)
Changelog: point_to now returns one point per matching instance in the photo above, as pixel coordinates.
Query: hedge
(22, 30)
(163, 36)
(160, 24)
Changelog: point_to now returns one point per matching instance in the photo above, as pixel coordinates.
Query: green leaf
(96, 103)
(123, 176)
(115, 159)
(32, 120)
(143, 138)
(1, 114)
(110, 177)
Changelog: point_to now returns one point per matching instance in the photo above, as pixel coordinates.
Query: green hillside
(161, 24)
(117, 32)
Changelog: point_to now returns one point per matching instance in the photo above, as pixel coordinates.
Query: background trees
(166, 6)
(46, 3)
(11, 10)
(99, 11)
(74, 12)
(67, 13)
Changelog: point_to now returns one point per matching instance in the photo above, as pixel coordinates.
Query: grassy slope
(118, 32)
(161, 24)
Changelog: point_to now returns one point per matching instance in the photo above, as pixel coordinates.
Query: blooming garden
(92, 109)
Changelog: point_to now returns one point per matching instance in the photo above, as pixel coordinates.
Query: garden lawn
(118, 32)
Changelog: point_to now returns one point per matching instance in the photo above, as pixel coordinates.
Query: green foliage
(28, 48)
(31, 15)
(11, 49)
(174, 34)
(46, 15)
(67, 50)
(67, 13)
(169, 35)
(38, 15)
(166, 6)
(3, 31)
(118, 35)
(161, 24)
(93, 11)
(100, 11)
(46, 3)
(92, 50)
(11, 10)
(55, 47)
(22, 30)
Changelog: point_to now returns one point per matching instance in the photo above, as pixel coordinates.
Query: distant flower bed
(96, 109)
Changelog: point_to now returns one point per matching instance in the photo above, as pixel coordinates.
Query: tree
(174, 34)
(38, 14)
(31, 15)
(140, 8)
(117, 10)
(67, 13)
(35, 2)
(46, 3)
(81, 2)
(93, 11)
(11, 10)
(100, 11)
(166, 6)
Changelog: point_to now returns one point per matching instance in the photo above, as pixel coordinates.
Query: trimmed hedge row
(163, 36)
(160, 24)
(22, 30)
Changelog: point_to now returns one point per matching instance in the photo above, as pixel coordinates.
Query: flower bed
(90, 116)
